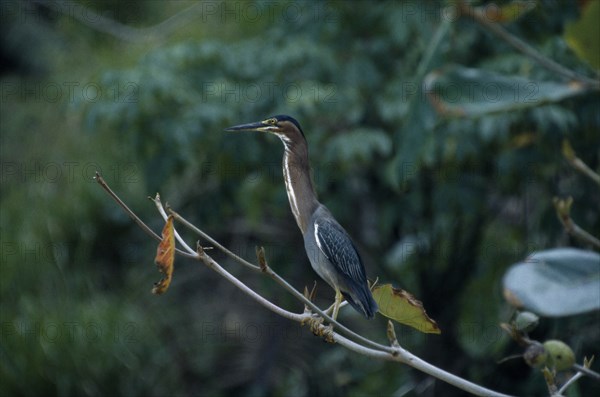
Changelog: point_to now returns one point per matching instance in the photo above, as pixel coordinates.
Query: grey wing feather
(337, 246)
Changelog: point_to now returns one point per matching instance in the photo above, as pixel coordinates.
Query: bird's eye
(272, 121)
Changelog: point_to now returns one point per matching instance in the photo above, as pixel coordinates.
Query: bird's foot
(315, 324)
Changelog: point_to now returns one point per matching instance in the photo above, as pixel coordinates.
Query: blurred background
(441, 189)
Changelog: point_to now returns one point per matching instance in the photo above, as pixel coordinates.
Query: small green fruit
(526, 321)
(560, 355)
(535, 355)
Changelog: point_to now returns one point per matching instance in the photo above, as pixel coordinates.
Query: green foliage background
(439, 205)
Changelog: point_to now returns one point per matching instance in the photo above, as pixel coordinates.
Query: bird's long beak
(258, 126)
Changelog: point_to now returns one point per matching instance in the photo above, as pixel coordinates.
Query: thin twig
(582, 167)
(163, 213)
(406, 357)
(398, 354)
(281, 281)
(525, 48)
(213, 242)
(586, 371)
(575, 162)
(98, 22)
(132, 215)
(568, 383)
(563, 210)
(213, 265)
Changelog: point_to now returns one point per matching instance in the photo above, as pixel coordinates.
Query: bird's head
(285, 127)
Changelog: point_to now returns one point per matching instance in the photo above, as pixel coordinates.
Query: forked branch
(312, 315)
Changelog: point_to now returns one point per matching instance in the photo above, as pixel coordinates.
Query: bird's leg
(337, 303)
(330, 309)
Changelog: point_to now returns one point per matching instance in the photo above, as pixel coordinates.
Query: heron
(330, 250)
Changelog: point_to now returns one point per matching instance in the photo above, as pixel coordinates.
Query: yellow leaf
(401, 306)
(165, 257)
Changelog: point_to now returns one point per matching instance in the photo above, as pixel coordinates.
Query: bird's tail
(362, 300)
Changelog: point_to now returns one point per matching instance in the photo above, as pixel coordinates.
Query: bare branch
(369, 348)
(568, 383)
(213, 265)
(132, 215)
(281, 281)
(586, 371)
(98, 22)
(163, 213)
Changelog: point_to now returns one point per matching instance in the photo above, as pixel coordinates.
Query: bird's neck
(298, 183)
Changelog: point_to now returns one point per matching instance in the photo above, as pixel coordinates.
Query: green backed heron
(329, 248)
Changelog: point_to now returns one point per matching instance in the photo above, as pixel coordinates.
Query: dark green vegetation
(439, 204)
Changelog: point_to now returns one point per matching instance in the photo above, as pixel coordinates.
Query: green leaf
(465, 92)
(401, 306)
(557, 282)
(582, 35)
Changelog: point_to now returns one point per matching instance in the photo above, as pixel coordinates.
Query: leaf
(165, 257)
(557, 282)
(465, 92)
(401, 306)
(582, 35)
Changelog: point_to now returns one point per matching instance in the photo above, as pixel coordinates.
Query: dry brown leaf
(165, 257)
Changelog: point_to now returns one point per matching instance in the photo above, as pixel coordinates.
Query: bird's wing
(337, 246)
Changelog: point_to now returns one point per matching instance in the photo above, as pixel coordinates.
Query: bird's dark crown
(285, 117)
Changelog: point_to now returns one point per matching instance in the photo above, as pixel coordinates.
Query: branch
(98, 178)
(587, 371)
(563, 210)
(405, 357)
(281, 281)
(577, 163)
(397, 354)
(582, 370)
(568, 383)
(162, 212)
(213, 265)
(98, 22)
(525, 48)
(367, 347)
